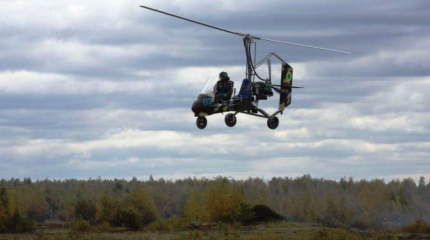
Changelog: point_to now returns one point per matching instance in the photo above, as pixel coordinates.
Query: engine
(262, 90)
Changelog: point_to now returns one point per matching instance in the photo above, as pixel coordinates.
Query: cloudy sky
(104, 88)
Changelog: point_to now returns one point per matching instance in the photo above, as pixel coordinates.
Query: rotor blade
(194, 21)
(241, 34)
(300, 45)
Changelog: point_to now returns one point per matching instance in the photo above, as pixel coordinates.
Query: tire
(201, 122)
(273, 122)
(230, 120)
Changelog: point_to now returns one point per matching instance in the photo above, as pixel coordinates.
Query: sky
(105, 88)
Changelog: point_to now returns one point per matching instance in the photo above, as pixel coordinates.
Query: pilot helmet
(223, 75)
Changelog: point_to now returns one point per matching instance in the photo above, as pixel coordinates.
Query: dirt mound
(265, 214)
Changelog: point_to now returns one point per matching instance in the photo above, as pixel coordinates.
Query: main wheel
(201, 122)
(273, 122)
(230, 120)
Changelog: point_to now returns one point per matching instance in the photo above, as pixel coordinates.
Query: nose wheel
(201, 122)
(230, 120)
(273, 122)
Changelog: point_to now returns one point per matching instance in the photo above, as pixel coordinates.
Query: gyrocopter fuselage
(252, 90)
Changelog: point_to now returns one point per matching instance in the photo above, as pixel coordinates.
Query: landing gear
(230, 120)
(201, 122)
(273, 122)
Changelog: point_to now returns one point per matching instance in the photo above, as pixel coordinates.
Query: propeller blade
(280, 90)
(194, 21)
(276, 89)
(291, 86)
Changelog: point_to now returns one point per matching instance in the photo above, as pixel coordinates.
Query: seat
(245, 89)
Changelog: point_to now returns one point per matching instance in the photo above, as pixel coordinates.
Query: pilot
(223, 88)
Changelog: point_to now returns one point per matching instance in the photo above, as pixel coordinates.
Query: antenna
(243, 34)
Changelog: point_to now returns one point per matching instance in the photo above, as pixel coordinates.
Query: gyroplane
(221, 97)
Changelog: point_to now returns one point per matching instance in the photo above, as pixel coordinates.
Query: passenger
(223, 88)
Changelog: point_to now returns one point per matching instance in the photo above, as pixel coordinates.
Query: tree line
(135, 203)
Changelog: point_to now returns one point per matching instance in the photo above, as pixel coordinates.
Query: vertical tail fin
(286, 86)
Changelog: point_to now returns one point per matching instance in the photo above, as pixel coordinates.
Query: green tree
(86, 209)
(20, 224)
(4, 210)
(140, 199)
(131, 218)
(4, 200)
(107, 208)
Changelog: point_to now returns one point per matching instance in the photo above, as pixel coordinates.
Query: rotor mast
(247, 41)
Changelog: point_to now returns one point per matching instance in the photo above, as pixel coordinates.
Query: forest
(159, 203)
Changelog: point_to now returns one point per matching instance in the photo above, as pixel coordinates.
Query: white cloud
(391, 122)
(407, 95)
(24, 82)
(293, 134)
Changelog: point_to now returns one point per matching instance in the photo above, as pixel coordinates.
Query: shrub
(335, 234)
(54, 224)
(383, 236)
(131, 218)
(81, 225)
(247, 214)
(20, 224)
(174, 223)
(158, 225)
(419, 226)
(104, 227)
(171, 224)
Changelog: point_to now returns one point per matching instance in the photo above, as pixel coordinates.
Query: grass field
(270, 231)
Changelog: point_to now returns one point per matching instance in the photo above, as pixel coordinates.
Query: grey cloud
(357, 116)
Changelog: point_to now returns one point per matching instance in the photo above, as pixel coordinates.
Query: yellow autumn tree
(194, 210)
(223, 200)
(140, 199)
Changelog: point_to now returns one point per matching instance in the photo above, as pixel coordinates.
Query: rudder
(286, 86)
